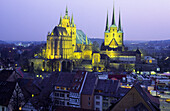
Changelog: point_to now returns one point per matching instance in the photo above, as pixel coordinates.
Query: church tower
(113, 34)
(61, 42)
(73, 33)
(107, 33)
(120, 33)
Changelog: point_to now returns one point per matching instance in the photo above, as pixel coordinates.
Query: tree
(17, 99)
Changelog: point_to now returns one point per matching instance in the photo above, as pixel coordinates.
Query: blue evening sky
(30, 20)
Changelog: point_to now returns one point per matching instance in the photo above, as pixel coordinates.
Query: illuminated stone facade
(113, 54)
(64, 47)
(69, 49)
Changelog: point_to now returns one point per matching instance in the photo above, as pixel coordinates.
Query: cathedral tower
(113, 34)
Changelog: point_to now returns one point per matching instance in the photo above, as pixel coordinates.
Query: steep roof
(81, 37)
(90, 84)
(28, 88)
(107, 87)
(138, 51)
(151, 101)
(59, 30)
(5, 74)
(113, 42)
(138, 107)
(77, 83)
(64, 79)
(6, 91)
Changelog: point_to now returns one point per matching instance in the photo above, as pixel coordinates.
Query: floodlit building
(69, 49)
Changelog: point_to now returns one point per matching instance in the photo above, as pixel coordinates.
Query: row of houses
(85, 90)
(79, 90)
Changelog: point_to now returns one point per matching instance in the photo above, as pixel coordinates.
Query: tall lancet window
(52, 47)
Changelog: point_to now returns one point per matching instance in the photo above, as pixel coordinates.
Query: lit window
(57, 87)
(62, 88)
(99, 91)
(20, 108)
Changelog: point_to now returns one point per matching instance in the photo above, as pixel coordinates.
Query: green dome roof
(114, 26)
(81, 37)
(120, 31)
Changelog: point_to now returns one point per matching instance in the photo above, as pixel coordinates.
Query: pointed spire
(119, 28)
(72, 21)
(66, 11)
(86, 40)
(60, 20)
(113, 18)
(90, 43)
(107, 24)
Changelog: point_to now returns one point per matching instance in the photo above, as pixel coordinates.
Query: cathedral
(69, 49)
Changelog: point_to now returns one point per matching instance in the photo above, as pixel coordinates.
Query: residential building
(105, 93)
(76, 88)
(85, 90)
(136, 99)
(61, 89)
(87, 96)
(11, 96)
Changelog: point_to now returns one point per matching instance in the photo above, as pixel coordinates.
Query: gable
(113, 43)
(17, 93)
(6, 91)
(28, 106)
(131, 99)
(13, 77)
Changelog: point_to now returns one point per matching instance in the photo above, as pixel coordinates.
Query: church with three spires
(69, 49)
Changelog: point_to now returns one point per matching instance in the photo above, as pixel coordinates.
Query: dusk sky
(31, 20)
